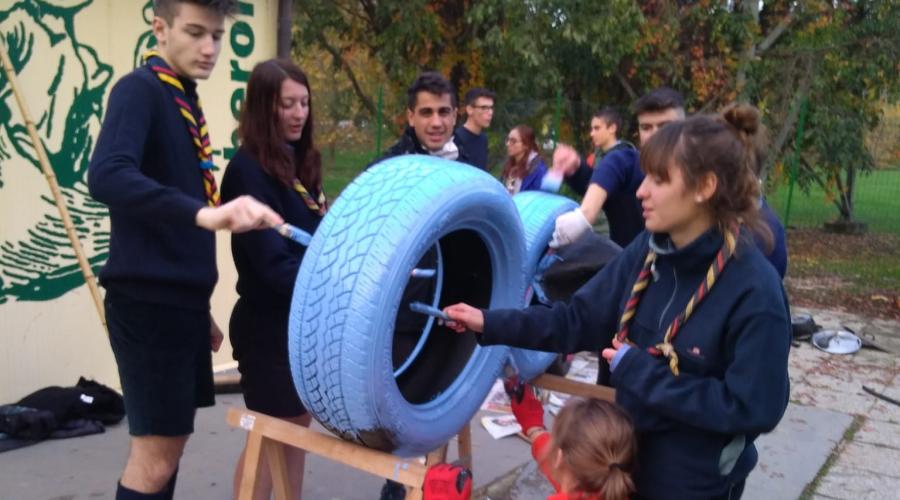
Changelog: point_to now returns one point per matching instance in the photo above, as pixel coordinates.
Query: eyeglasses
(484, 108)
(512, 140)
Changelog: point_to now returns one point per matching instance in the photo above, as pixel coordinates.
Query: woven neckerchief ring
(196, 123)
(319, 206)
(665, 348)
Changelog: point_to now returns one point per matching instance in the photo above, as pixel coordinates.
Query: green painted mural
(65, 81)
(36, 260)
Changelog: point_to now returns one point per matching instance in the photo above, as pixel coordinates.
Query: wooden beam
(575, 388)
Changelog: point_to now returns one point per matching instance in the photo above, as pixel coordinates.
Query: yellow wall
(67, 58)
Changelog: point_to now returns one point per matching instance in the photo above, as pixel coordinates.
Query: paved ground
(836, 441)
(865, 463)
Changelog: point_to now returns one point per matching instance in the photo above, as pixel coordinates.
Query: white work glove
(551, 182)
(569, 227)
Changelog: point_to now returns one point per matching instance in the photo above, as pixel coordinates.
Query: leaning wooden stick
(54, 186)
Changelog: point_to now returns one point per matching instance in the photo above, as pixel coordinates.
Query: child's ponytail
(598, 447)
(618, 484)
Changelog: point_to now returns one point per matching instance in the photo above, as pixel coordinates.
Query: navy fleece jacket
(696, 430)
(145, 169)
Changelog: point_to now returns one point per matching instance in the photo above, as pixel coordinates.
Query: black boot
(393, 491)
(170, 486)
(123, 493)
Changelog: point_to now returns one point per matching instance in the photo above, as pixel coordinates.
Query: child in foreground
(590, 453)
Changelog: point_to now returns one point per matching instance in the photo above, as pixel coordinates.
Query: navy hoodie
(696, 430)
(145, 169)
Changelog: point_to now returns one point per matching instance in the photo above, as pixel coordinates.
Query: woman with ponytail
(691, 316)
(279, 164)
(591, 452)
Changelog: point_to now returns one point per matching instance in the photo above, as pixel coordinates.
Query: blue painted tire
(538, 211)
(349, 290)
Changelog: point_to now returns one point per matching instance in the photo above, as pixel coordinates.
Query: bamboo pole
(54, 186)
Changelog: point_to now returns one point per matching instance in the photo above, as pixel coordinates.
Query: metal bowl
(836, 341)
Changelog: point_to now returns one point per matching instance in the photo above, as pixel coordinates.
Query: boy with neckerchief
(152, 166)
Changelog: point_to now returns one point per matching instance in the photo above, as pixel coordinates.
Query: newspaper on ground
(497, 400)
(500, 426)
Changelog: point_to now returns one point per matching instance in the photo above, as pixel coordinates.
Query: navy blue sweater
(618, 172)
(778, 255)
(145, 169)
(696, 430)
(475, 146)
(266, 262)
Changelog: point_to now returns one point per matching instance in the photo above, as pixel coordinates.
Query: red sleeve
(539, 449)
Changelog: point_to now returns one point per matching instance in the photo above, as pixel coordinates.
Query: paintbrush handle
(293, 233)
(423, 308)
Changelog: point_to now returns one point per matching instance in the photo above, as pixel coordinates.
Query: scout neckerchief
(195, 122)
(665, 348)
(319, 206)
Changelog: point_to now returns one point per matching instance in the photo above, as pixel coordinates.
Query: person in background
(777, 254)
(524, 168)
(470, 136)
(605, 126)
(691, 317)
(612, 183)
(277, 163)
(431, 115)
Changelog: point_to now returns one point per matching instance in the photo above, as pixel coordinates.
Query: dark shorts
(165, 364)
(258, 337)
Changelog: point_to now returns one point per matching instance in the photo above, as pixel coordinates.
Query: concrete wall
(67, 55)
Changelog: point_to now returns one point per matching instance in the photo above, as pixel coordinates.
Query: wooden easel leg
(251, 465)
(281, 484)
(464, 446)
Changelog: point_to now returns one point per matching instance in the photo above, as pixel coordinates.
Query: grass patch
(877, 203)
(338, 171)
(849, 434)
(863, 275)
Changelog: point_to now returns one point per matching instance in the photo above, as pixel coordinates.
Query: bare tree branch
(627, 86)
(791, 120)
(775, 34)
(754, 51)
(357, 89)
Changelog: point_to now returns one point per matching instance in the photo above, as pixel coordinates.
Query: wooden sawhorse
(269, 435)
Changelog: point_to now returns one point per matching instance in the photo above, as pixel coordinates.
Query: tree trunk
(848, 194)
(285, 21)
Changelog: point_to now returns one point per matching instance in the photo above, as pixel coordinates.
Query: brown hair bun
(743, 117)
